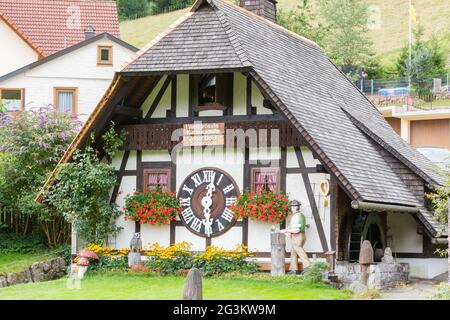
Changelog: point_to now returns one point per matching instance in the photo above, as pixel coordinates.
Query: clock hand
(206, 203)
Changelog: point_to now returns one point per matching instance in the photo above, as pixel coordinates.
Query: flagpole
(410, 47)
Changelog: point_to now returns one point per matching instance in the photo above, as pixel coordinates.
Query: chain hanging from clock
(206, 196)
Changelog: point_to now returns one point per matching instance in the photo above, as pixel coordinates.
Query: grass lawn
(140, 286)
(14, 262)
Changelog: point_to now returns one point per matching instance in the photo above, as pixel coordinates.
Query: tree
(131, 9)
(428, 60)
(31, 144)
(304, 21)
(82, 190)
(346, 42)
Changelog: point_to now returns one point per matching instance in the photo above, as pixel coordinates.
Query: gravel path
(417, 289)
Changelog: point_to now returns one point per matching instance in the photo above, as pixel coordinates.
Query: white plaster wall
(15, 52)
(227, 159)
(295, 188)
(117, 160)
(152, 234)
(151, 97)
(291, 158)
(426, 268)
(122, 240)
(239, 94)
(402, 233)
(229, 240)
(183, 234)
(155, 155)
(261, 154)
(259, 236)
(132, 161)
(182, 95)
(77, 69)
(164, 104)
(257, 101)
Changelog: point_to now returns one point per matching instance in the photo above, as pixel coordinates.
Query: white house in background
(71, 80)
(58, 52)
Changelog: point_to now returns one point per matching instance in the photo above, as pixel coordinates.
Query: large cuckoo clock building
(224, 101)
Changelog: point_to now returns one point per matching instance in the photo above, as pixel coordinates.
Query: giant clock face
(206, 197)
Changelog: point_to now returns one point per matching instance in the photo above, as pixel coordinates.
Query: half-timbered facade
(228, 96)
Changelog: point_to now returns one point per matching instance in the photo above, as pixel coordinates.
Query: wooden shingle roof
(340, 125)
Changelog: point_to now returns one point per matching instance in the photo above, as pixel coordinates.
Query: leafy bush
(177, 258)
(315, 271)
(109, 263)
(10, 242)
(82, 191)
(31, 144)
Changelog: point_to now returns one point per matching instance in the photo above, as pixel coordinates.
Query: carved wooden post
(193, 286)
(278, 252)
(365, 260)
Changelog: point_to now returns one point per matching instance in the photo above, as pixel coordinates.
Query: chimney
(89, 32)
(264, 8)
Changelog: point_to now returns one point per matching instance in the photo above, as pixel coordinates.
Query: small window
(104, 55)
(213, 90)
(12, 99)
(265, 179)
(65, 100)
(157, 179)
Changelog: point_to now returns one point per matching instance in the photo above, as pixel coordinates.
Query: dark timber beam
(260, 117)
(128, 111)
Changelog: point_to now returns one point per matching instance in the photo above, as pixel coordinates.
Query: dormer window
(104, 55)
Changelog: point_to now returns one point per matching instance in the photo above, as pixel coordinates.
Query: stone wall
(37, 272)
(381, 275)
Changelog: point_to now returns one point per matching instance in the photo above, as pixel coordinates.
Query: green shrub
(131, 9)
(315, 272)
(11, 242)
(105, 263)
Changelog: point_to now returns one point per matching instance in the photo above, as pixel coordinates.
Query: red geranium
(266, 206)
(154, 207)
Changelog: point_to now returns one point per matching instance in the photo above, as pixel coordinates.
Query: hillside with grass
(388, 38)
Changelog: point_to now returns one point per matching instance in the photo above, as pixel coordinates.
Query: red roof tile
(52, 25)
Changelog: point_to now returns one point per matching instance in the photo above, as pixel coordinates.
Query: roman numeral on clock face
(230, 201)
(197, 180)
(187, 189)
(209, 176)
(219, 225)
(185, 202)
(220, 179)
(196, 225)
(227, 215)
(228, 188)
(188, 215)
